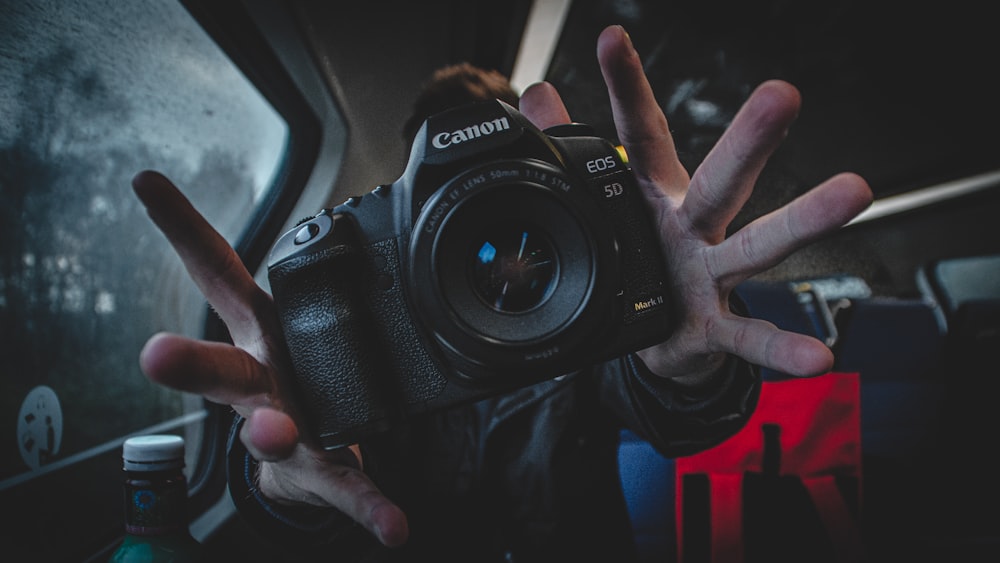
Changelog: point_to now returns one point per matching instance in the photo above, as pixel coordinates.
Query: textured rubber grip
(333, 347)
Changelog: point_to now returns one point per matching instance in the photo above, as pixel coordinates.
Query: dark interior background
(905, 97)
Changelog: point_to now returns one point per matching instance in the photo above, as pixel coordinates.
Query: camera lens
(511, 260)
(514, 268)
(512, 265)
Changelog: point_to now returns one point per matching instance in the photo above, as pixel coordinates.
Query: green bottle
(156, 522)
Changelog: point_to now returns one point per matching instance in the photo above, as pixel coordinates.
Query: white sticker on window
(39, 427)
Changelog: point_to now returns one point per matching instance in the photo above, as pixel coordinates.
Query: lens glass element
(514, 268)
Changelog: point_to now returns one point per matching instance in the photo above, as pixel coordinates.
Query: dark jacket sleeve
(678, 420)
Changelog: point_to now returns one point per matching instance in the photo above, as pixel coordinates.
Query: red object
(787, 487)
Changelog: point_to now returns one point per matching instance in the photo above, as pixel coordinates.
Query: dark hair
(457, 85)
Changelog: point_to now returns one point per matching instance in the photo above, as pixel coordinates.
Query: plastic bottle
(156, 520)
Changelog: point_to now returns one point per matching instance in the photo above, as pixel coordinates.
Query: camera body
(503, 256)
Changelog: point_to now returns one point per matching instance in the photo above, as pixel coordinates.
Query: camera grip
(331, 340)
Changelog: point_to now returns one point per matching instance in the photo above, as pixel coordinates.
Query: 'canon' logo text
(446, 139)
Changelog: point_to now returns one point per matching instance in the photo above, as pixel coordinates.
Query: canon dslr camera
(502, 256)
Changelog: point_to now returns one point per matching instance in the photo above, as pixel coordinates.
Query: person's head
(457, 85)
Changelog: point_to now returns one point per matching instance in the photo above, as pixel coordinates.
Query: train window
(92, 92)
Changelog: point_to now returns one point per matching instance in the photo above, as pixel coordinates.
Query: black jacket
(527, 476)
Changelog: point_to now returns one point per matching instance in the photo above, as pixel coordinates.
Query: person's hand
(693, 214)
(252, 375)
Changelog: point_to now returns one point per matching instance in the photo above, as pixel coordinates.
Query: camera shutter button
(306, 233)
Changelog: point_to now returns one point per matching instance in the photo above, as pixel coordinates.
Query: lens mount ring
(455, 283)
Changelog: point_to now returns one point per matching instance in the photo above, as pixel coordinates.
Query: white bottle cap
(153, 453)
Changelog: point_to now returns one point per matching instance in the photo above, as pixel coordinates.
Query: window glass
(91, 92)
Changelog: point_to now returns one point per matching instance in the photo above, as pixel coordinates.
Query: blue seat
(648, 483)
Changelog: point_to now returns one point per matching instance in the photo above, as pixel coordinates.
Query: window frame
(232, 27)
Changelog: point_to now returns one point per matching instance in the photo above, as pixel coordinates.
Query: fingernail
(628, 38)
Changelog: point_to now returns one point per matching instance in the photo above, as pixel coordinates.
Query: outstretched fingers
(641, 124)
(543, 106)
(770, 239)
(269, 434)
(724, 180)
(335, 478)
(358, 497)
(212, 263)
(220, 372)
(761, 343)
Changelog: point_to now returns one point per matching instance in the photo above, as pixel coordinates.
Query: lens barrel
(504, 264)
